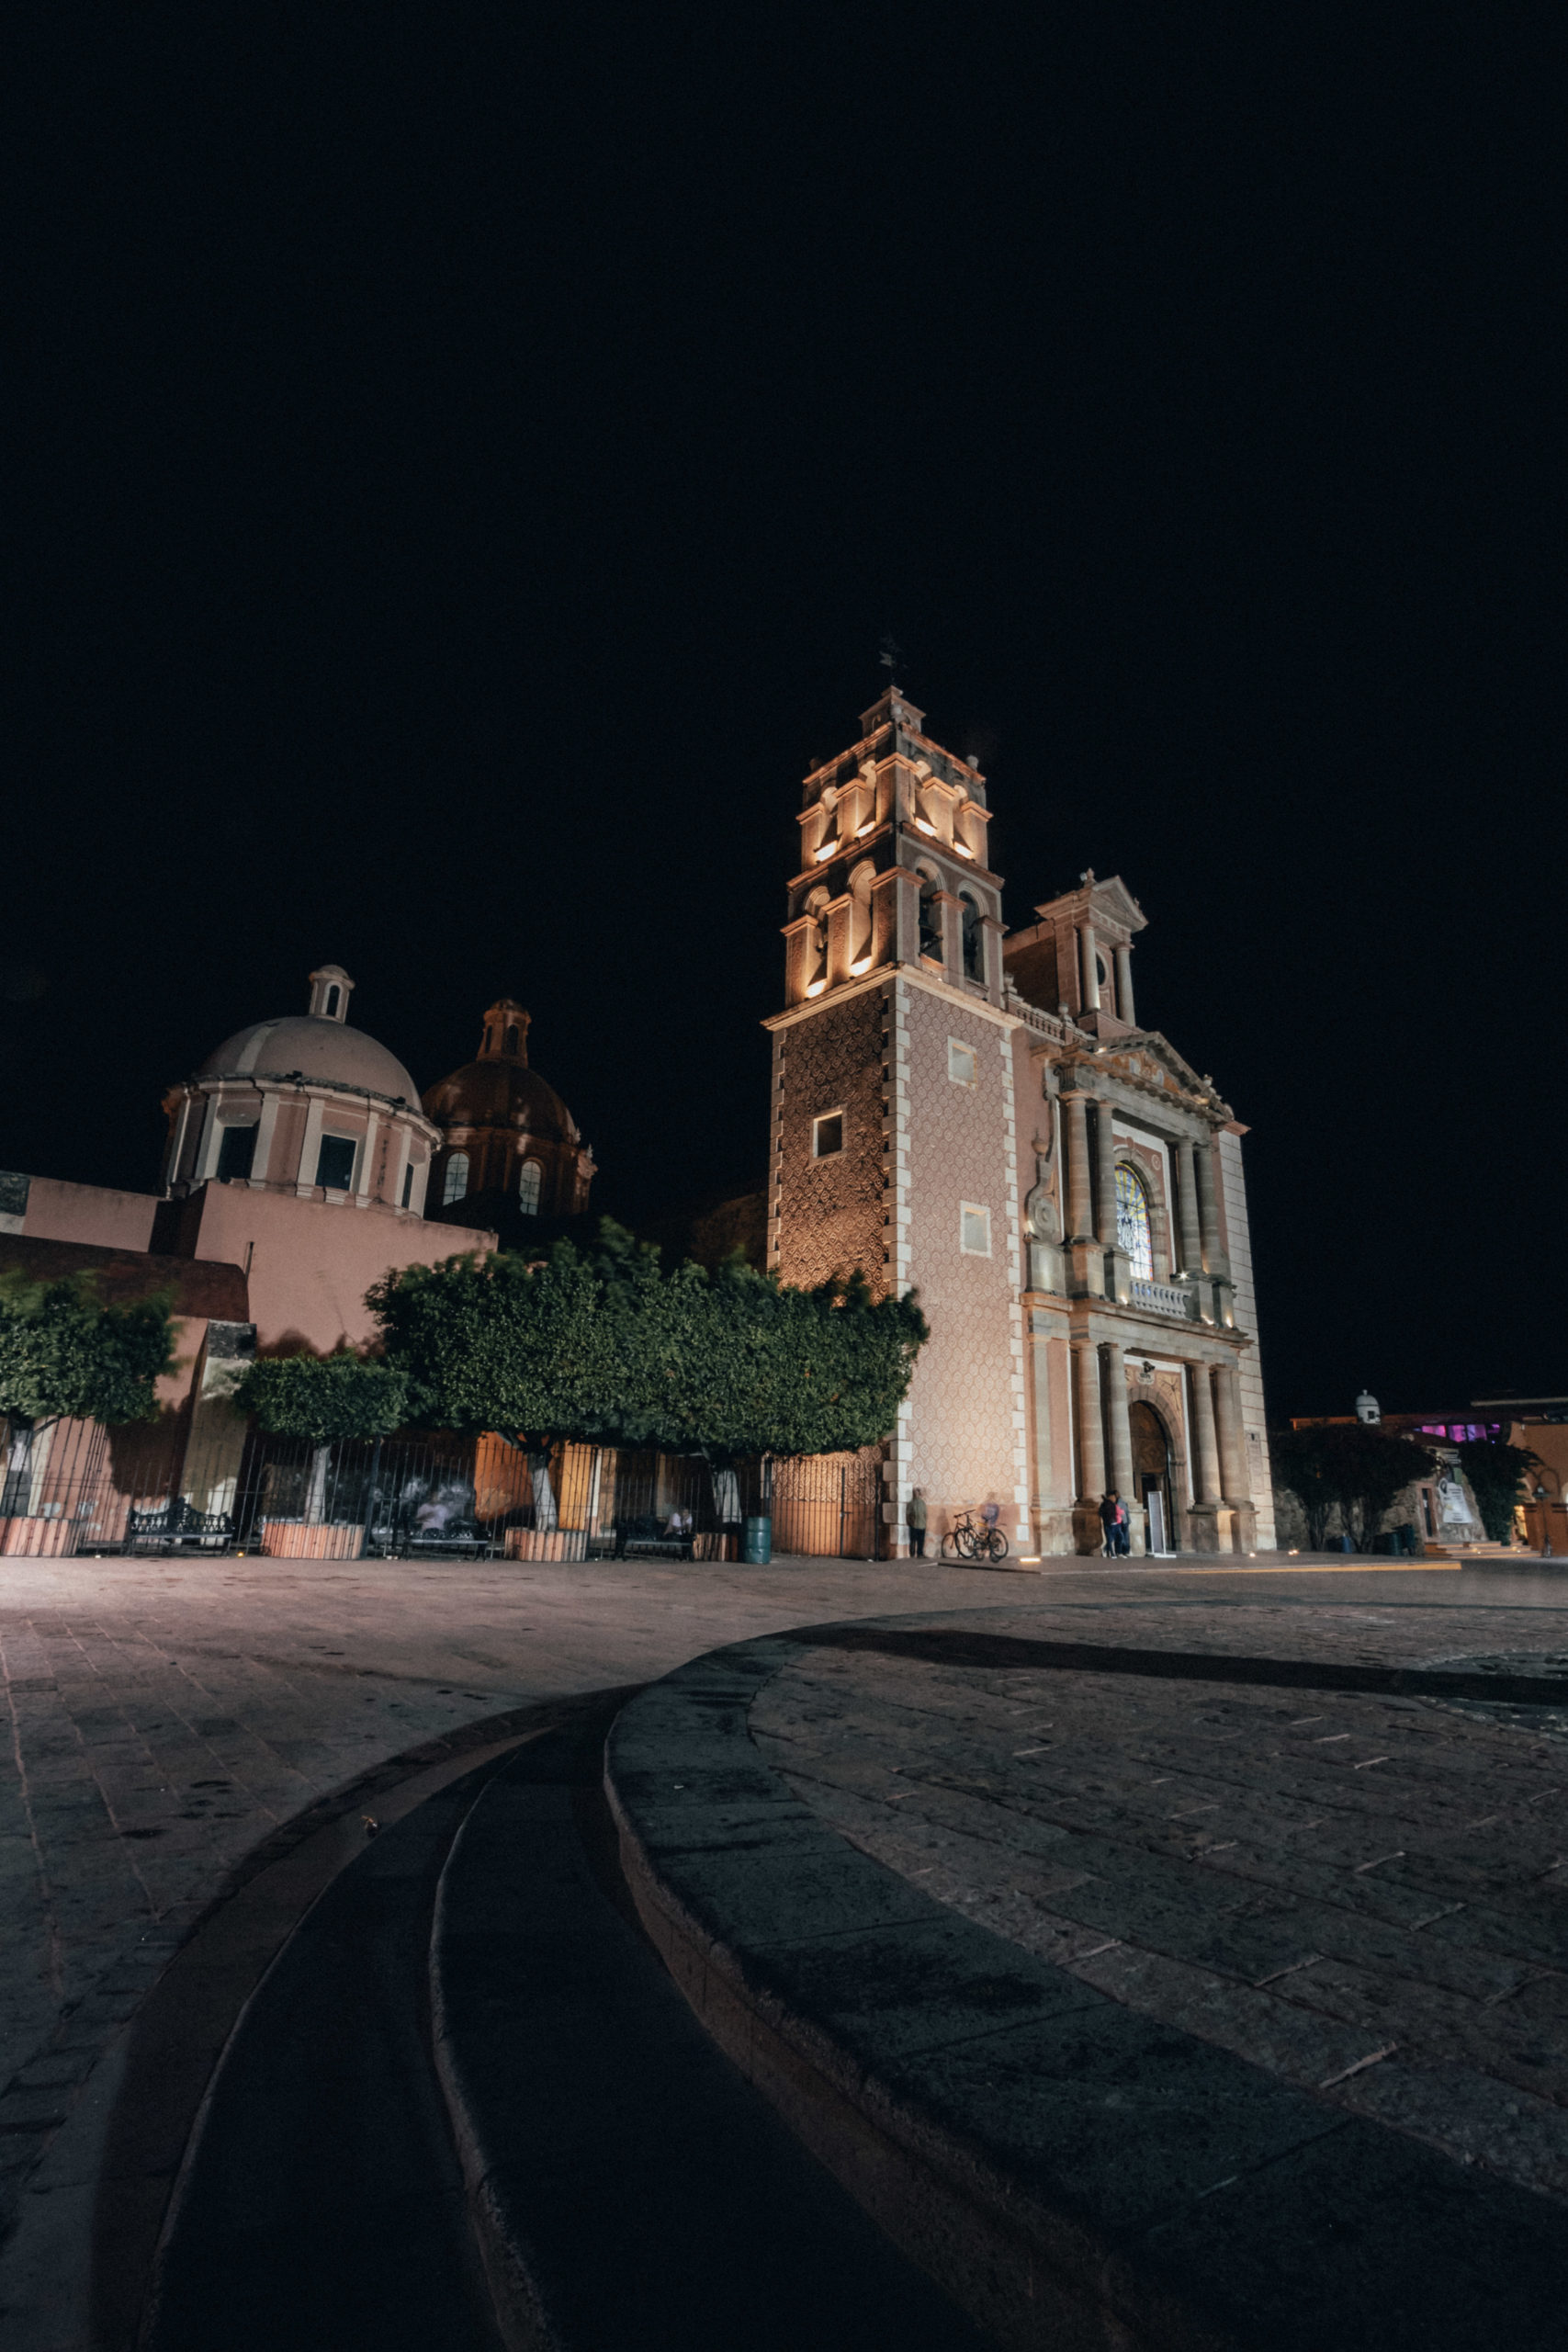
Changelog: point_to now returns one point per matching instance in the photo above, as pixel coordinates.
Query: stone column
(1186, 1207)
(1121, 1436)
(1088, 967)
(952, 921)
(1125, 985)
(367, 1163)
(1105, 1155)
(310, 1150)
(1205, 1452)
(1091, 1446)
(210, 1146)
(1233, 1444)
(1081, 1222)
(1215, 1258)
(992, 934)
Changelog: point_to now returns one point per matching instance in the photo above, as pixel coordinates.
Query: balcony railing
(1164, 1298)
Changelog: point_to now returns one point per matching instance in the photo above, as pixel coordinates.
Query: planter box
(547, 1544)
(39, 1539)
(297, 1538)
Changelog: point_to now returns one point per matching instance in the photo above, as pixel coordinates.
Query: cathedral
(980, 1116)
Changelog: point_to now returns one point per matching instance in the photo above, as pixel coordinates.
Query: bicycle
(964, 1541)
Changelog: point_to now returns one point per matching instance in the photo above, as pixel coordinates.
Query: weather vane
(891, 655)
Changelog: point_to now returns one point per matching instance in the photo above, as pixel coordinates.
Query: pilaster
(1121, 1430)
(1086, 1526)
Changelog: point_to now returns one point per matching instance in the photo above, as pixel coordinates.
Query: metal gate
(830, 1504)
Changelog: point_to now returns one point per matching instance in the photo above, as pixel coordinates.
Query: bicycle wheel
(948, 1548)
(963, 1543)
(997, 1544)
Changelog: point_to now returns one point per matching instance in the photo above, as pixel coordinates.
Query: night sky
(463, 460)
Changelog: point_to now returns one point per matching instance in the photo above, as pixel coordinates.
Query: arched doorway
(1151, 1476)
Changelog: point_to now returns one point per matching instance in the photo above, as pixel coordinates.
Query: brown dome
(498, 1092)
(499, 1089)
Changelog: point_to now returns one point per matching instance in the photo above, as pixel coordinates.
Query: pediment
(1113, 901)
(1147, 1058)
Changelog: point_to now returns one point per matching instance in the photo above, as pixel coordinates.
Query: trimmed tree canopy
(323, 1397)
(1496, 1470)
(1361, 1468)
(606, 1346)
(64, 1356)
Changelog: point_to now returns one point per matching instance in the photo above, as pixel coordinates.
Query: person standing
(1123, 1530)
(915, 1520)
(1108, 1510)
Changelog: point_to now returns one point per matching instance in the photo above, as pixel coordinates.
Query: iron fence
(74, 1487)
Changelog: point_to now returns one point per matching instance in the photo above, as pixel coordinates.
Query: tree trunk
(316, 1493)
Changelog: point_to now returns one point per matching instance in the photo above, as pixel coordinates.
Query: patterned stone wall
(829, 1213)
(963, 1432)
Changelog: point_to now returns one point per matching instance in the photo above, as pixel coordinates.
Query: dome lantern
(330, 988)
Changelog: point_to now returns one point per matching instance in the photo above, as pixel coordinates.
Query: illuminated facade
(980, 1116)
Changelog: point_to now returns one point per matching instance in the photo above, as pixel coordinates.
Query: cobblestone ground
(166, 1717)
(1367, 1896)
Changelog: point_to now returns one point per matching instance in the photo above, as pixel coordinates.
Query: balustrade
(1164, 1298)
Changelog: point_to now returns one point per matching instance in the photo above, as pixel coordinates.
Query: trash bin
(758, 1548)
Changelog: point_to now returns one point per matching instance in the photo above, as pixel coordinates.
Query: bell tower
(894, 1137)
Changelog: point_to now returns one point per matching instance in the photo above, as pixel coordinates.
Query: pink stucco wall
(962, 1429)
(57, 1211)
(308, 1263)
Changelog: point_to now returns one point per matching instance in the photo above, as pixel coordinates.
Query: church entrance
(1151, 1476)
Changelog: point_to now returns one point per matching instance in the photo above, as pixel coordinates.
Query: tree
(65, 1356)
(607, 1346)
(323, 1397)
(1358, 1467)
(1495, 1469)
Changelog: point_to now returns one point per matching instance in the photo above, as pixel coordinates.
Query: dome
(501, 1093)
(498, 1088)
(326, 1052)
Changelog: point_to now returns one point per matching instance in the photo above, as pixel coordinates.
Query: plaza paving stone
(1365, 1895)
(166, 1718)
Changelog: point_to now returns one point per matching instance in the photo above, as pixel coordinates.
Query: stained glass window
(1132, 1222)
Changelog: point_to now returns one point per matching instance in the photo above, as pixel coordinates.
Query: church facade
(980, 1116)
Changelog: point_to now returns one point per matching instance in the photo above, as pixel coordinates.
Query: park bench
(176, 1523)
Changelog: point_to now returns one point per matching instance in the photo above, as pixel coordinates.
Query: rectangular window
(960, 1062)
(408, 1183)
(974, 1231)
(236, 1153)
(334, 1163)
(827, 1135)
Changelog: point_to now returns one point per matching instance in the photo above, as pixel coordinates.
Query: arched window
(530, 1177)
(331, 1002)
(456, 1181)
(1132, 1222)
(512, 1037)
(974, 939)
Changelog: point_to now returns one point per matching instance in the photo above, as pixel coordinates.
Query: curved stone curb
(1074, 2174)
(630, 2193)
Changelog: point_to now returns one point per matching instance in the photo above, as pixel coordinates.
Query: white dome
(328, 1053)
